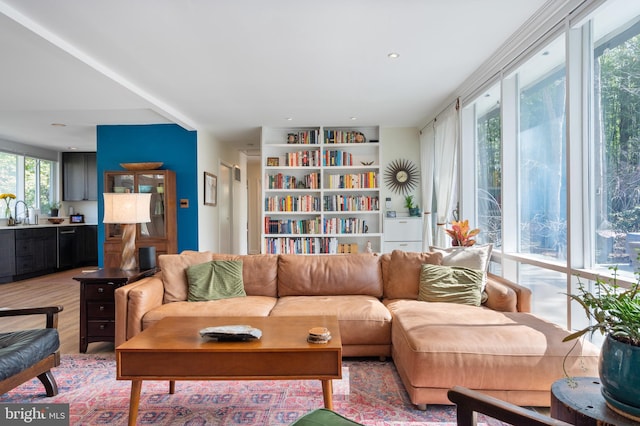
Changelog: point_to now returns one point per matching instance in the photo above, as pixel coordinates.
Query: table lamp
(127, 209)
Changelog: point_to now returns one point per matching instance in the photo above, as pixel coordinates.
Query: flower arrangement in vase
(461, 234)
(7, 197)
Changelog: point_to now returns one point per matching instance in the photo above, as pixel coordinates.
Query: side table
(583, 405)
(97, 303)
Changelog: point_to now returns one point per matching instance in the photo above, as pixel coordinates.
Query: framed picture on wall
(210, 189)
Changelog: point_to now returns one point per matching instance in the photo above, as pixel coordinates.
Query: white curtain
(447, 140)
(427, 149)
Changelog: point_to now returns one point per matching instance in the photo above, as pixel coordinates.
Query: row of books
(304, 137)
(301, 245)
(345, 225)
(281, 181)
(343, 136)
(303, 159)
(289, 226)
(292, 203)
(335, 157)
(344, 203)
(354, 181)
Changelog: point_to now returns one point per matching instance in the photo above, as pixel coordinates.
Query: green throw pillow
(218, 279)
(452, 284)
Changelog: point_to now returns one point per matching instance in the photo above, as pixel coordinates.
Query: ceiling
(229, 67)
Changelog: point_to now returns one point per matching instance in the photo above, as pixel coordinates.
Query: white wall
(211, 153)
(399, 143)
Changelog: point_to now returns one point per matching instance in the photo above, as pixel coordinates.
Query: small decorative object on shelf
(461, 235)
(273, 161)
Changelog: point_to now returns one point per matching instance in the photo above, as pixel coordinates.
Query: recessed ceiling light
(72, 148)
(288, 118)
(545, 53)
(58, 124)
(354, 118)
(393, 55)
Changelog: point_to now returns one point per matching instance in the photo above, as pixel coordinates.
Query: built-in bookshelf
(321, 190)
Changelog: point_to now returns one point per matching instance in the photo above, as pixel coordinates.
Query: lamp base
(128, 261)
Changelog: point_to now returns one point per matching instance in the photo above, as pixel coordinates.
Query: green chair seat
(324, 417)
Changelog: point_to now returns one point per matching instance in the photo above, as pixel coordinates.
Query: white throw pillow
(474, 257)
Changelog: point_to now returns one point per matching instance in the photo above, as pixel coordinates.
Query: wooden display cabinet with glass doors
(161, 232)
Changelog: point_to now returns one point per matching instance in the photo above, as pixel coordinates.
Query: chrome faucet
(26, 212)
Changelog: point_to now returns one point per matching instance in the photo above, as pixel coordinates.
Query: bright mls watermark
(34, 414)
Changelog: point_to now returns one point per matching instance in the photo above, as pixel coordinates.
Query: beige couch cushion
(174, 273)
(347, 274)
(401, 272)
(234, 307)
(363, 320)
(259, 273)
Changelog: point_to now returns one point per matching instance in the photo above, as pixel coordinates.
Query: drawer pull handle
(102, 327)
(403, 221)
(110, 283)
(403, 245)
(101, 308)
(100, 290)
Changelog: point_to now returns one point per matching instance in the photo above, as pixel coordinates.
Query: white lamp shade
(126, 208)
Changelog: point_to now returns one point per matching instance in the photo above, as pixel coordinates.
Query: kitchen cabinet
(161, 232)
(79, 176)
(77, 246)
(7, 255)
(35, 251)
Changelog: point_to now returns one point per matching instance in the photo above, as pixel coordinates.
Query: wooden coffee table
(172, 349)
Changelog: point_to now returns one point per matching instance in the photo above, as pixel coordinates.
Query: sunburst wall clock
(401, 176)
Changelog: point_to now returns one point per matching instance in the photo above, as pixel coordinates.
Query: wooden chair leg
(49, 383)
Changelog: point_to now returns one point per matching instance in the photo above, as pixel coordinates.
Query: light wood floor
(49, 290)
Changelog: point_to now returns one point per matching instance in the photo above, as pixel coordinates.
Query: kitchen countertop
(42, 224)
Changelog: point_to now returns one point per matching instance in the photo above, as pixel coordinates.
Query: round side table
(583, 405)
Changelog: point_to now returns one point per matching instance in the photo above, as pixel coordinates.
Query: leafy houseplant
(461, 234)
(55, 208)
(413, 209)
(614, 311)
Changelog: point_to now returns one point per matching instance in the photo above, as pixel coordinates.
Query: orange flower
(461, 235)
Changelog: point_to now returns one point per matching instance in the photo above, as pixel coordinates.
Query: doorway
(225, 204)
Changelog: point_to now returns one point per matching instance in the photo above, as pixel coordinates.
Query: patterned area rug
(370, 392)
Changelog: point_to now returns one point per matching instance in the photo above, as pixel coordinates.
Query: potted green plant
(413, 208)
(55, 208)
(614, 311)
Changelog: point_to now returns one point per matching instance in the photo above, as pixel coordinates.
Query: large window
(616, 88)
(524, 177)
(541, 153)
(32, 180)
(489, 167)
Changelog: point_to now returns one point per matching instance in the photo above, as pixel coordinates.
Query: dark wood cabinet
(79, 176)
(35, 251)
(161, 232)
(7, 255)
(77, 246)
(97, 303)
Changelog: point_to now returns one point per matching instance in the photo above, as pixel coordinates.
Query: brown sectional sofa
(498, 348)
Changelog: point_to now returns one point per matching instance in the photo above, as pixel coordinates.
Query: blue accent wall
(175, 147)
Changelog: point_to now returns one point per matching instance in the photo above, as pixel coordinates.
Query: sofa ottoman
(513, 356)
